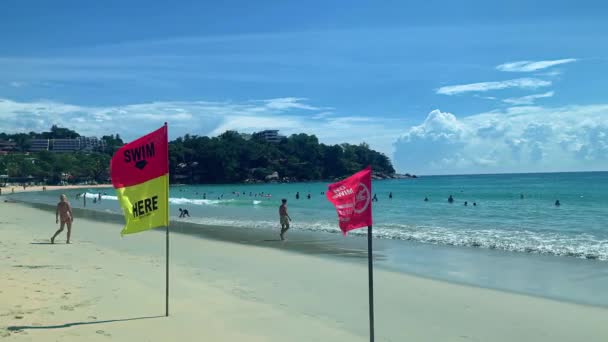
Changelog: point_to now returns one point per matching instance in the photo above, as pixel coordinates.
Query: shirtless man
(284, 218)
(63, 212)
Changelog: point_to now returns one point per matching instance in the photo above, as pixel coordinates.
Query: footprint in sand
(18, 317)
(67, 308)
(101, 332)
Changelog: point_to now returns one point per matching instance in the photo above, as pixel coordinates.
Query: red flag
(352, 198)
(141, 160)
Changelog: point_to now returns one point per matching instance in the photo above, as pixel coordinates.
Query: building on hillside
(7, 146)
(269, 135)
(65, 145)
(91, 143)
(37, 145)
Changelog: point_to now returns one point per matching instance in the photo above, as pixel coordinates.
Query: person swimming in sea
(308, 196)
(426, 199)
(390, 195)
(298, 195)
(557, 203)
(183, 213)
(375, 198)
(450, 199)
(474, 204)
(466, 203)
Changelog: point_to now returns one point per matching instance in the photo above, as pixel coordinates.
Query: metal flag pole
(370, 264)
(167, 236)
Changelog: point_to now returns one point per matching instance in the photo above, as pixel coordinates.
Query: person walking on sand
(63, 213)
(284, 218)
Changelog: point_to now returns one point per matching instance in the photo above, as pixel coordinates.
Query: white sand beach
(16, 188)
(107, 288)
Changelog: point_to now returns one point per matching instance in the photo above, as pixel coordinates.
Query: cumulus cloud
(529, 66)
(517, 139)
(523, 83)
(527, 100)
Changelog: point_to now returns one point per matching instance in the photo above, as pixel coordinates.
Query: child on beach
(63, 212)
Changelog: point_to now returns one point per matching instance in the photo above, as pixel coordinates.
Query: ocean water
(505, 242)
(501, 219)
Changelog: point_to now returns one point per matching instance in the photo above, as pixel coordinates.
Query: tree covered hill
(228, 158)
(231, 157)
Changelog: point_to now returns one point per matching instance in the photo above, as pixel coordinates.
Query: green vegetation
(231, 158)
(228, 158)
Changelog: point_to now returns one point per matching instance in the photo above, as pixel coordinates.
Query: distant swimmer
(426, 199)
(298, 195)
(94, 200)
(183, 213)
(521, 196)
(450, 199)
(390, 195)
(375, 198)
(205, 195)
(557, 204)
(284, 218)
(64, 216)
(308, 196)
(99, 197)
(474, 204)
(466, 203)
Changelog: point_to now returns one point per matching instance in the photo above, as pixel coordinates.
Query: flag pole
(370, 264)
(167, 238)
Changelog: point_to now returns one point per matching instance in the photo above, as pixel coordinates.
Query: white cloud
(528, 66)
(290, 115)
(523, 83)
(517, 139)
(285, 103)
(16, 84)
(527, 100)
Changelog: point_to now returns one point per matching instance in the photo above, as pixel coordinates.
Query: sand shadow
(67, 325)
(43, 243)
(273, 240)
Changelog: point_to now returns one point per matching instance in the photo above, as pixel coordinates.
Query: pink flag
(352, 198)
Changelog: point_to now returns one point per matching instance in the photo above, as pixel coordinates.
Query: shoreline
(265, 293)
(354, 250)
(7, 190)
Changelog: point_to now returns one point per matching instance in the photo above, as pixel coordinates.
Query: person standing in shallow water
(63, 213)
(284, 218)
(390, 195)
(450, 199)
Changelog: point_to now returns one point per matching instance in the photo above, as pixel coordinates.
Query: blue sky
(440, 87)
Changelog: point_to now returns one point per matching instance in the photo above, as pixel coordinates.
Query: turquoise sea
(526, 245)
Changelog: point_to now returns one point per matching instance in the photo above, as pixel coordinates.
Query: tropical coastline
(50, 286)
(434, 239)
